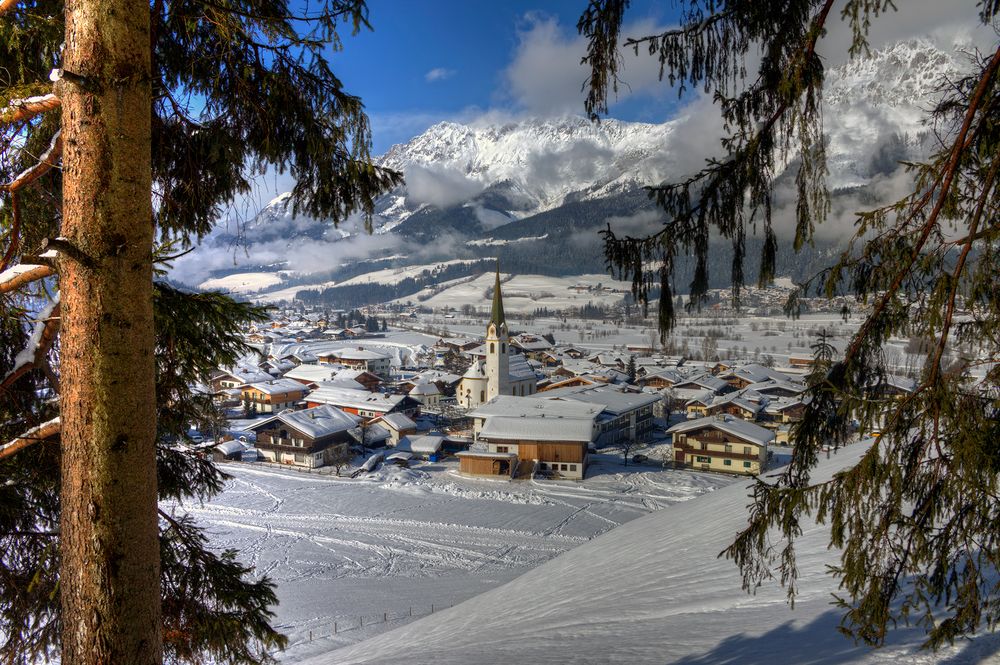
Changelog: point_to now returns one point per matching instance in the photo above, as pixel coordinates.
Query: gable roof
(316, 423)
(741, 429)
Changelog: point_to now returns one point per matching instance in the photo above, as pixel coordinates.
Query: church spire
(497, 316)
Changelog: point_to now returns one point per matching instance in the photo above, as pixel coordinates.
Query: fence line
(346, 624)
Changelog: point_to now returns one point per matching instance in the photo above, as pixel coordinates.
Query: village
(508, 406)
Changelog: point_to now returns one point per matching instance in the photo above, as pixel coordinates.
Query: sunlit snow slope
(653, 591)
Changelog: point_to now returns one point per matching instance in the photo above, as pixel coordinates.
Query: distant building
(500, 373)
(723, 443)
(306, 438)
(274, 396)
(359, 358)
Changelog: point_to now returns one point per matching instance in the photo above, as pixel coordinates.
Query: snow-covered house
(721, 443)
(273, 396)
(305, 438)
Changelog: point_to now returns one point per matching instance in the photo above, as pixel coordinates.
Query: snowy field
(651, 592)
(378, 548)
(242, 283)
(526, 293)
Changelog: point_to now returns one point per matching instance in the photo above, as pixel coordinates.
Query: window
(747, 450)
(503, 348)
(572, 467)
(482, 395)
(729, 449)
(747, 465)
(501, 449)
(728, 462)
(565, 467)
(699, 458)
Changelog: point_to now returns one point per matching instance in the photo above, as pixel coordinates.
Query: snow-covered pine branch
(17, 276)
(42, 337)
(33, 435)
(27, 107)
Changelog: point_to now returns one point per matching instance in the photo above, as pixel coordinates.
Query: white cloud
(546, 77)
(439, 186)
(438, 74)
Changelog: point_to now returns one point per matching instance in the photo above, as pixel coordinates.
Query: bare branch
(28, 107)
(34, 435)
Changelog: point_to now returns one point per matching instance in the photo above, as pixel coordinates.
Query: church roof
(496, 315)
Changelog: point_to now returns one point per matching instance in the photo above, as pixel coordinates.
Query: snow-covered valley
(380, 548)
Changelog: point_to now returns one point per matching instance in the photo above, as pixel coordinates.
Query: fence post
(362, 621)
(334, 627)
(385, 617)
(310, 636)
(432, 608)
(411, 610)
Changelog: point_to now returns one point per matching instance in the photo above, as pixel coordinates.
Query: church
(501, 372)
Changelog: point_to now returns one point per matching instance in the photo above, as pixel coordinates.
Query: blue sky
(434, 60)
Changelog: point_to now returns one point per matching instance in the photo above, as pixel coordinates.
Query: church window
(491, 347)
(482, 395)
(503, 348)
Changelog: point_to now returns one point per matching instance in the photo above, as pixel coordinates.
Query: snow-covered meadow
(379, 547)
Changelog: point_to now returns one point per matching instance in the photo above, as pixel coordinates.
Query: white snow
(342, 548)
(244, 282)
(653, 591)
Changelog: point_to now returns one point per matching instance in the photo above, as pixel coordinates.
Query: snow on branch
(17, 276)
(33, 435)
(28, 107)
(33, 354)
(45, 163)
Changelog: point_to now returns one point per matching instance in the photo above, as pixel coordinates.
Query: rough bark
(109, 579)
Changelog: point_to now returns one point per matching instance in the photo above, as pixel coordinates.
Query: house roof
(614, 400)
(355, 399)
(543, 427)
(354, 354)
(427, 444)
(315, 423)
(425, 388)
(277, 386)
(397, 421)
(739, 428)
(510, 406)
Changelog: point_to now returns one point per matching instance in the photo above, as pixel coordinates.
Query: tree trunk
(109, 579)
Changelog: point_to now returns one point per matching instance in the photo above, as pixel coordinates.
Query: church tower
(497, 347)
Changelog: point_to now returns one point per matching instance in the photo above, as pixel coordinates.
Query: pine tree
(92, 566)
(915, 519)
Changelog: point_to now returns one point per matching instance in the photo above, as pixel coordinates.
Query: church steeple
(497, 347)
(496, 316)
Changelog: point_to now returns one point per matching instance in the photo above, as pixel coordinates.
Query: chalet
(357, 358)
(744, 405)
(397, 424)
(571, 382)
(783, 410)
(238, 377)
(361, 402)
(558, 445)
(307, 438)
(273, 396)
(722, 443)
(745, 375)
(662, 378)
(697, 405)
(532, 346)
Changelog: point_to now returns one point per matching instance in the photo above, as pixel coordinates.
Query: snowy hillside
(652, 591)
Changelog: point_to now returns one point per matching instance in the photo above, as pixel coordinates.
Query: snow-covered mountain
(471, 188)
